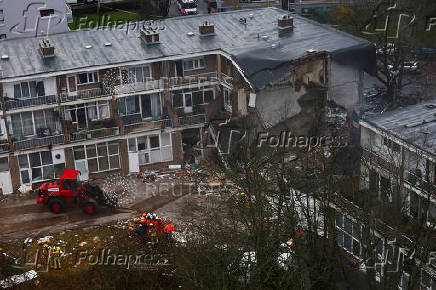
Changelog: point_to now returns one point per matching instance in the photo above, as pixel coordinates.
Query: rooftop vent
(243, 20)
(190, 33)
(206, 28)
(150, 36)
(286, 22)
(47, 47)
(5, 57)
(88, 46)
(107, 44)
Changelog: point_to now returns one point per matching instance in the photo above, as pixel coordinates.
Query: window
(29, 90)
(194, 98)
(41, 123)
(4, 164)
(87, 78)
(348, 234)
(2, 17)
(3, 36)
(391, 144)
(193, 64)
(83, 114)
(227, 100)
(146, 105)
(46, 12)
(38, 166)
(152, 149)
(138, 74)
(100, 157)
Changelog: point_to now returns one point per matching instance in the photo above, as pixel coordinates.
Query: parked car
(408, 67)
(389, 49)
(187, 7)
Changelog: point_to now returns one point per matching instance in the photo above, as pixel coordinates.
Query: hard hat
(143, 214)
(151, 224)
(154, 215)
(148, 215)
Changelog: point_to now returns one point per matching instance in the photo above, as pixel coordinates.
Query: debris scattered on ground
(82, 244)
(25, 188)
(45, 239)
(120, 190)
(27, 240)
(18, 279)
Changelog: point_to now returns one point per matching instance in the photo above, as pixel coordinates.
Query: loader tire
(89, 206)
(56, 205)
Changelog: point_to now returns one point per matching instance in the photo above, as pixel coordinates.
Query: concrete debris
(96, 239)
(18, 279)
(82, 244)
(45, 239)
(27, 241)
(25, 188)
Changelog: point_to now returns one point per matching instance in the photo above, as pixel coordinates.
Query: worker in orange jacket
(169, 229)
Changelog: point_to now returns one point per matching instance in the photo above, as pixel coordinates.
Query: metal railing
(148, 85)
(192, 119)
(225, 79)
(4, 147)
(13, 104)
(93, 134)
(84, 95)
(39, 142)
(200, 79)
(419, 183)
(148, 125)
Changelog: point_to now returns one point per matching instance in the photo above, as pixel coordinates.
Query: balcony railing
(192, 119)
(419, 183)
(139, 87)
(148, 125)
(84, 95)
(13, 104)
(39, 142)
(4, 147)
(93, 134)
(200, 79)
(225, 79)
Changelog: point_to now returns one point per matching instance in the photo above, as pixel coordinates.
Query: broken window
(152, 149)
(135, 74)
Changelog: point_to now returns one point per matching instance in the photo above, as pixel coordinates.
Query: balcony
(192, 120)
(226, 80)
(84, 95)
(150, 85)
(83, 135)
(148, 125)
(39, 142)
(418, 182)
(14, 104)
(4, 148)
(194, 80)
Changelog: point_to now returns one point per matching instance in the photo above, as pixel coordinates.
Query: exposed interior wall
(344, 88)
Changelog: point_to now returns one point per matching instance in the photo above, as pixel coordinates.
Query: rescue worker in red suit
(169, 229)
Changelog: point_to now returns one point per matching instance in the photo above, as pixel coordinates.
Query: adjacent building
(105, 101)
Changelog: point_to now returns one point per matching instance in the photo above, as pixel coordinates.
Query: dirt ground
(22, 217)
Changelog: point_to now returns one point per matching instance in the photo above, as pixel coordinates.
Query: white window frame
(96, 104)
(41, 167)
(28, 87)
(227, 96)
(140, 105)
(132, 74)
(133, 142)
(2, 18)
(91, 78)
(34, 133)
(84, 147)
(192, 98)
(197, 63)
(353, 238)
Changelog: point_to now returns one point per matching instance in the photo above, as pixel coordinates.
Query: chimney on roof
(286, 22)
(206, 28)
(47, 48)
(150, 36)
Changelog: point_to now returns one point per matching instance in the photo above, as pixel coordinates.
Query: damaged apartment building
(106, 101)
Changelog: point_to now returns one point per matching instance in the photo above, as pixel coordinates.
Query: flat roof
(414, 124)
(250, 46)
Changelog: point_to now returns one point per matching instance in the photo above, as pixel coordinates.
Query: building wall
(344, 88)
(22, 18)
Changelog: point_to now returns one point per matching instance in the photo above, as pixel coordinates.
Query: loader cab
(69, 181)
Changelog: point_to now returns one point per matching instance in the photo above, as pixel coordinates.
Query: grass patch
(108, 18)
